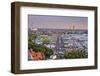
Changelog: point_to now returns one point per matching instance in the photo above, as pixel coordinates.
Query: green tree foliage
(31, 37)
(40, 48)
(48, 52)
(75, 54)
(45, 40)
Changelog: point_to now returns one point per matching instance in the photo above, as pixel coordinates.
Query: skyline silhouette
(57, 22)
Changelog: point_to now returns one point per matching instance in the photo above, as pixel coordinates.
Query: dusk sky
(57, 22)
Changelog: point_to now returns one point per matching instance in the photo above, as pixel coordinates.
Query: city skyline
(57, 22)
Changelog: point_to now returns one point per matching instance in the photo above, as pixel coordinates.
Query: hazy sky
(57, 22)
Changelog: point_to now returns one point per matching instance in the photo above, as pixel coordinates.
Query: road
(59, 44)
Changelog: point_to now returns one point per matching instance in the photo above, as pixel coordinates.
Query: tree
(40, 48)
(45, 40)
(75, 54)
(31, 37)
(48, 53)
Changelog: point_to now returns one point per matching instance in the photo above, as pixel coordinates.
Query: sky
(57, 22)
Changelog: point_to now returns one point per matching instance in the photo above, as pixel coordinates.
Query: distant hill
(60, 30)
